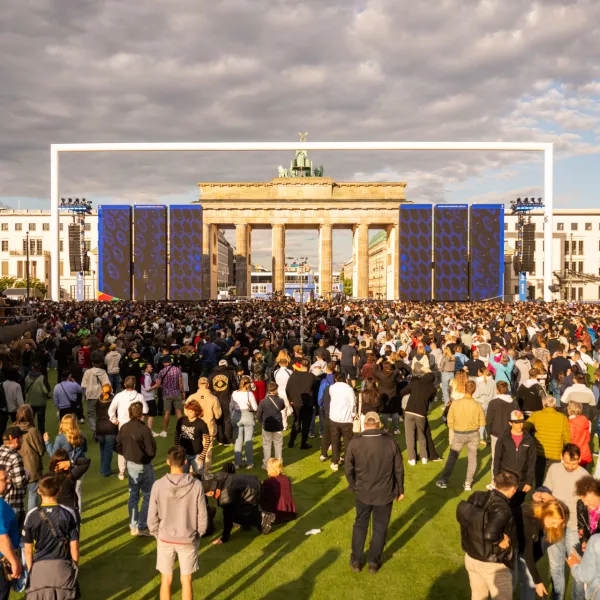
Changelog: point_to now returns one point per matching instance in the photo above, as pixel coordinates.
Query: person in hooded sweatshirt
(177, 518)
(421, 394)
(498, 416)
(530, 394)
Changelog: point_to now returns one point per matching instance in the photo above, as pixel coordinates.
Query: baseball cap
(223, 363)
(11, 434)
(516, 416)
(372, 418)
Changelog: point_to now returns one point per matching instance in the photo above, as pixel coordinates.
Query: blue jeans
(555, 391)
(141, 478)
(243, 426)
(107, 445)
(385, 419)
(33, 498)
(192, 463)
(317, 412)
(526, 583)
(557, 553)
(447, 377)
(115, 382)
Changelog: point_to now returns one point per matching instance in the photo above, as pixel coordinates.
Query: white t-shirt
(243, 401)
(119, 407)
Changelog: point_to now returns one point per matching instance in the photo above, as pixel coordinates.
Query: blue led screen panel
(487, 251)
(150, 252)
(114, 252)
(185, 238)
(450, 254)
(415, 252)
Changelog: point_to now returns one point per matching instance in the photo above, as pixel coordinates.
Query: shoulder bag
(356, 427)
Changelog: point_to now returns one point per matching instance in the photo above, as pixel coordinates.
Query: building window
(517, 226)
(516, 289)
(532, 272)
(567, 245)
(580, 266)
(61, 246)
(4, 226)
(45, 226)
(588, 226)
(4, 268)
(20, 269)
(580, 248)
(34, 268)
(18, 226)
(31, 226)
(88, 226)
(574, 226)
(580, 293)
(4, 245)
(61, 269)
(60, 227)
(560, 227)
(566, 265)
(505, 226)
(573, 247)
(39, 250)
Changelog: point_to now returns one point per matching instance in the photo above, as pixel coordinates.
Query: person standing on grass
(65, 394)
(112, 360)
(299, 390)
(342, 410)
(32, 449)
(375, 474)
(515, 453)
(465, 417)
(9, 539)
(68, 473)
(270, 416)
(148, 389)
(51, 536)
(177, 518)
(37, 392)
(11, 460)
(222, 383)
(170, 380)
(106, 431)
(137, 446)
(118, 412)
(191, 433)
(92, 382)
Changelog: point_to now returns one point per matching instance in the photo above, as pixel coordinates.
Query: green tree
(346, 284)
(7, 282)
(34, 283)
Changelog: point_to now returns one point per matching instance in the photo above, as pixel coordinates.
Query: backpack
(472, 516)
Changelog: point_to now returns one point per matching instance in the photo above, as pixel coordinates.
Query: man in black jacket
(138, 447)
(300, 393)
(488, 538)
(375, 473)
(530, 394)
(222, 384)
(515, 453)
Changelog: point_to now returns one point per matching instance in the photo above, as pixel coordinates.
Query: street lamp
(301, 261)
(27, 264)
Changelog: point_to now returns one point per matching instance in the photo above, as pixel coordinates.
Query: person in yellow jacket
(465, 417)
(211, 412)
(551, 431)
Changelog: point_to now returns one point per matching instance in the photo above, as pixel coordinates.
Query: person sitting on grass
(277, 495)
(51, 537)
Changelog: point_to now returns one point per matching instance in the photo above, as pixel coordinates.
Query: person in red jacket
(277, 493)
(580, 432)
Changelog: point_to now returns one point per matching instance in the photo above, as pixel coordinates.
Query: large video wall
(150, 252)
(114, 252)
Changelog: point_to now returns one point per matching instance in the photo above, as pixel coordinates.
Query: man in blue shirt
(209, 354)
(9, 538)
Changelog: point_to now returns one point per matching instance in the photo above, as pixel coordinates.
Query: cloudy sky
(261, 70)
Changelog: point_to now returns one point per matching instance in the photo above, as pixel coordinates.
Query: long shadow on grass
(321, 517)
(303, 587)
(451, 584)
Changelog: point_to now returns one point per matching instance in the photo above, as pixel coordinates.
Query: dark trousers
(245, 515)
(339, 430)
(66, 411)
(431, 451)
(541, 466)
(224, 427)
(5, 587)
(326, 439)
(301, 424)
(381, 519)
(3, 421)
(414, 423)
(40, 413)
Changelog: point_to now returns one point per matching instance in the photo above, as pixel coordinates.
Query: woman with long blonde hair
(73, 441)
(457, 385)
(539, 525)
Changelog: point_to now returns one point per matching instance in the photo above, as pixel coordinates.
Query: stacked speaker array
(75, 247)
(139, 270)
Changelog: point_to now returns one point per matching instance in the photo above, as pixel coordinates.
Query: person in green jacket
(37, 393)
(551, 431)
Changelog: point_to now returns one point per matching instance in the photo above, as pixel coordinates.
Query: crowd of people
(359, 377)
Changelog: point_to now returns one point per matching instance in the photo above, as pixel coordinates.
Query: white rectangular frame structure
(546, 148)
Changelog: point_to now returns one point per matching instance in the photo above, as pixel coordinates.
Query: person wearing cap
(170, 380)
(11, 460)
(211, 412)
(375, 473)
(112, 360)
(515, 452)
(222, 383)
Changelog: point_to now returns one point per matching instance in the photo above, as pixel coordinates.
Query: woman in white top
(243, 407)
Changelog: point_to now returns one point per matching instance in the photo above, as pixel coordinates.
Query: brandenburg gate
(299, 200)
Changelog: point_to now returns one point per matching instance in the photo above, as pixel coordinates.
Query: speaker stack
(75, 247)
(528, 248)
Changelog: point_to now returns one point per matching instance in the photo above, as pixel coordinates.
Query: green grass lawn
(422, 558)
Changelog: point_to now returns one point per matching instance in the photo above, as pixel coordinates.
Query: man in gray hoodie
(177, 518)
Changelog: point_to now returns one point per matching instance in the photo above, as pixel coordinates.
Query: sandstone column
(206, 260)
(393, 291)
(325, 257)
(362, 260)
(214, 260)
(249, 261)
(241, 260)
(278, 261)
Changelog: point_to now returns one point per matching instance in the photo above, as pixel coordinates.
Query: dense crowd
(359, 377)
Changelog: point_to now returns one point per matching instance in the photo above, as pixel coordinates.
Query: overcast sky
(261, 70)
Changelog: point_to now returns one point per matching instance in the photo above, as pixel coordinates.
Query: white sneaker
(424, 461)
(154, 434)
(121, 476)
(333, 467)
(467, 487)
(162, 434)
(322, 458)
(412, 463)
